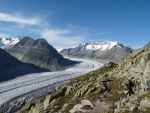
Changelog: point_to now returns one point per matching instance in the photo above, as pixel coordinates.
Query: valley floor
(31, 82)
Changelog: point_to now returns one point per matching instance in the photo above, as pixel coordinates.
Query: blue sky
(66, 23)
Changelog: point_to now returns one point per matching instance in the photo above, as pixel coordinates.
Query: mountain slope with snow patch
(8, 42)
(104, 50)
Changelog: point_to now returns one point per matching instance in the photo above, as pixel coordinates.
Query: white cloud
(5, 17)
(61, 38)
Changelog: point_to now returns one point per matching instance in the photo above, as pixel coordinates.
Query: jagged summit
(41, 43)
(30, 42)
(25, 41)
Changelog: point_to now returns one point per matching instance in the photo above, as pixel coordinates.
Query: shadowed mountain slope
(39, 53)
(11, 68)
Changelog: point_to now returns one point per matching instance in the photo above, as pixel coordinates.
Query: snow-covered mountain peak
(102, 45)
(8, 42)
(103, 50)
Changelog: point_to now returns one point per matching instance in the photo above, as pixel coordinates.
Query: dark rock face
(115, 54)
(11, 68)
(39, 53)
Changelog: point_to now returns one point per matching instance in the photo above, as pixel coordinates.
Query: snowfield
(102, 46)
(28, 83)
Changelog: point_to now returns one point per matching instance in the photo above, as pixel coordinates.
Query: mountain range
(120, 86)
(21, 56)
(103, 50)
